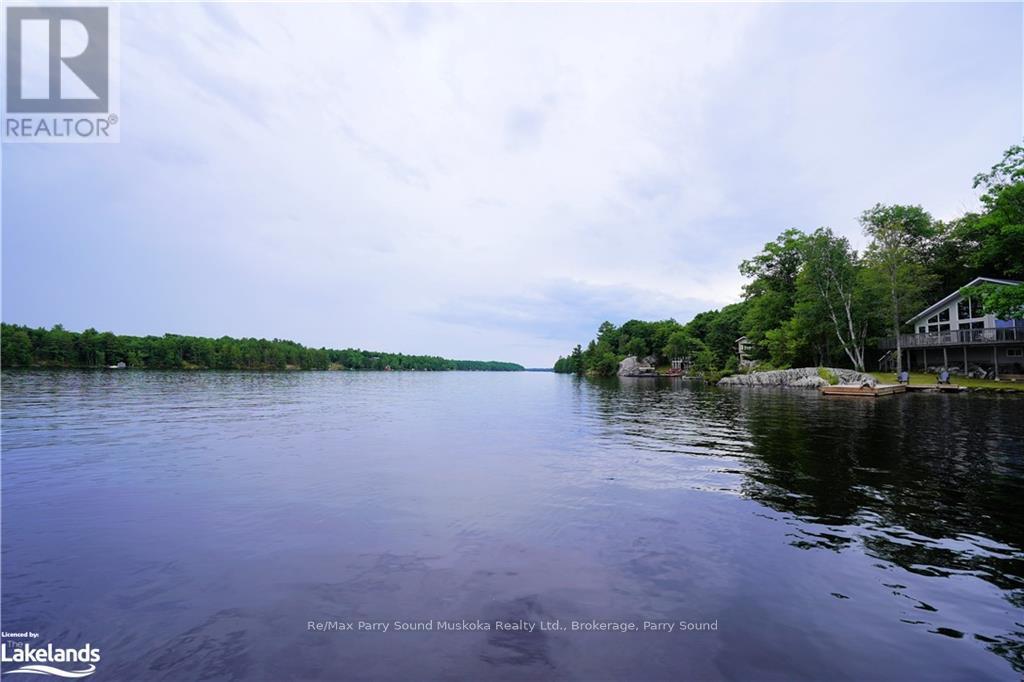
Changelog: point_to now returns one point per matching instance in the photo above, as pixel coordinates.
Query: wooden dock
(863, 391)
(935, 388)
(890, 389)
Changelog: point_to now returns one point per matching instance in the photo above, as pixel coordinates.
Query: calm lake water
(191, 525)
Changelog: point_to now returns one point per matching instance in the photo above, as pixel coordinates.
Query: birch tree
(831, 281)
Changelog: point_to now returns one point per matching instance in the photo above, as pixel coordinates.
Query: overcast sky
(490, 181)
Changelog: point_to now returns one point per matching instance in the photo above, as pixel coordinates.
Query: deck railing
(957, 337)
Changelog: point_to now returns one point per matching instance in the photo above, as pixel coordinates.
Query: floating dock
(864, 391)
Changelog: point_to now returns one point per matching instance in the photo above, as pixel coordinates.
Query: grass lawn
(929, 379)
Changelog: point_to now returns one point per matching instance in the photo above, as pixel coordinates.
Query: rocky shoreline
(802, 377)
(632, 367)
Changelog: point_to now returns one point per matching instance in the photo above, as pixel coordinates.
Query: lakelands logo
(38, 660)
(61, 81)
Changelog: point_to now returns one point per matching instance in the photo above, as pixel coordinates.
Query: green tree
(948, 259)
(637, 347)
(832, 274)
(682, 345)
(899, 241)
(783, 344)
(995, 238)
(576, 360)
(608, 336)
(812, 325)
(15, 348)
(719, 329)
(605, 364)
(771, 293)
(1004, 301)
(777, 266)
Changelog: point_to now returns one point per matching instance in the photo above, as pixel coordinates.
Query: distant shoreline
(274, 370)
(58, 348)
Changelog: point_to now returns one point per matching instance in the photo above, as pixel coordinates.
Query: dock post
(924, 355)
(965, 360)
(995, 361)
(945, 359)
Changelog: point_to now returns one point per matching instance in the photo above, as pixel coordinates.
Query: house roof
(953, 296)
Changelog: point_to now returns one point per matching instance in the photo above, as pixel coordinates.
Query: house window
(1015, 352)
(943, 327)
(944, 315)
(967, 308)
(920, 330)
(963, 309)
(972, 325)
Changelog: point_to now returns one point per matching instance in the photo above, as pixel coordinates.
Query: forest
(811, 299)
(57, 347)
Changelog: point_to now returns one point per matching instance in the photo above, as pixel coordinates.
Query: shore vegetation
(22, 346)
(812, 300)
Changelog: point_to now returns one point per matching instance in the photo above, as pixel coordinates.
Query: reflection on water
(192, 524)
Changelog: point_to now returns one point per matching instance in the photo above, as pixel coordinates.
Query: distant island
(22, 346)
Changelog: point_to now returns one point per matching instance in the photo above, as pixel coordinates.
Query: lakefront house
(745, 349)
(956, 333)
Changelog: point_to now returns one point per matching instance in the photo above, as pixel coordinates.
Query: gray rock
(801, 377)
(631, 367)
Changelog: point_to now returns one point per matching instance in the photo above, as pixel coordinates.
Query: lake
(204, 525)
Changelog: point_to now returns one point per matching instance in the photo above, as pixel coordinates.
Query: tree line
(812, 299)
(22, 346)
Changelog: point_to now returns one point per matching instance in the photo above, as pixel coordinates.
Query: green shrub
(828, 375)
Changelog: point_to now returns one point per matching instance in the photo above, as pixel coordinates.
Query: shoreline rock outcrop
(631, 367)
(801, 377)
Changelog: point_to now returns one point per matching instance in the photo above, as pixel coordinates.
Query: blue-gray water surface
(192, 526)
